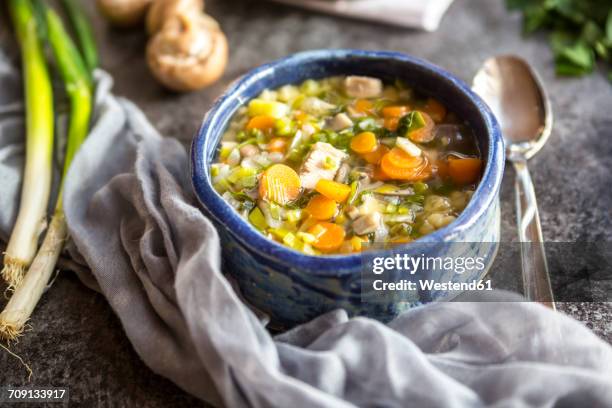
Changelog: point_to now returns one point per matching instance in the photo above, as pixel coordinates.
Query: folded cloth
(420, 14)
(137, 231)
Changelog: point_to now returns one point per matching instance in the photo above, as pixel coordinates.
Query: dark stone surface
(76, 340)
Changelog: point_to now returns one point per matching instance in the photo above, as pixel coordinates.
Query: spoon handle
(536, 281)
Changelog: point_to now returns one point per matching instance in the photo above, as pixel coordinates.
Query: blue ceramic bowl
(293, 287)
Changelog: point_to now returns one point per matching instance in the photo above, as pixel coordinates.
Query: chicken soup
(328, 165)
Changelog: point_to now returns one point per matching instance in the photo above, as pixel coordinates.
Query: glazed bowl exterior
(292, 287)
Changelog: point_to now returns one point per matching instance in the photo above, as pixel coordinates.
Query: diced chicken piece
(367, 224)
(316, 106)
(322, 162)
(363, 87)
(340, 122)
(249, 150)
(352, 212)
(343, 173)
(370, 205)
(288, 93)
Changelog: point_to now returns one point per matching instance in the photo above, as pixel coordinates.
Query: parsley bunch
(581, 31)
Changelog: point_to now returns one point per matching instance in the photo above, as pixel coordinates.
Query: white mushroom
(163, 10)
(123, 13)
(363, 87)
(188, 53)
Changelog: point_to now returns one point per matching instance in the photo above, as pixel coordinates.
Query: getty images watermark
(410, 265)
(441, 271)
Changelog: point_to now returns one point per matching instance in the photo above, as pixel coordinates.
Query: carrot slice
(379, 175)
(329, 236)
(261, 122)
(375, 156)
(364, 142)
(441, 168)
(421, 171)
(394, 111)
(399, 158)
(321, 207)
(277, 144)
(464, 171)
(391, 124)
(334, 190)
(435, 109)
(363, 105)
(279, 183)
(424, 134)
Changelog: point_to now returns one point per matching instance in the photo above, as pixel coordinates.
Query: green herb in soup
(329, 165)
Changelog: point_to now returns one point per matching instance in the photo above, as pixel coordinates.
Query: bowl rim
(334, 265)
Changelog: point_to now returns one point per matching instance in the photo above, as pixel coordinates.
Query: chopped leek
(269, 108)
(410, 122)
(258, 219)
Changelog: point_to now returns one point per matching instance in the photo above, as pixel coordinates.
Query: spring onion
(84, 34)
(39, 145)
(79, 89)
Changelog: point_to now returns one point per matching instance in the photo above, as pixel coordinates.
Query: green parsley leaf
(581, 31)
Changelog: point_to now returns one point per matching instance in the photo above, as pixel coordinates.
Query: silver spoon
(516, 96)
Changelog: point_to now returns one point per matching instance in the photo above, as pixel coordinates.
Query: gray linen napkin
(139, 235)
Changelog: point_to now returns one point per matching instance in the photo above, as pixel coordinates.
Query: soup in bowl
(327, 165)
(301, 172)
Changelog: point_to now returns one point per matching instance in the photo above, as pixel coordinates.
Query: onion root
(21, 305)
(13, 271)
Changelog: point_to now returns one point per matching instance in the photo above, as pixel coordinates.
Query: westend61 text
(429, 284)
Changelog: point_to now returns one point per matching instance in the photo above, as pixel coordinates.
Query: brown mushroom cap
(188, 53)
(123, 13)
(163, 10)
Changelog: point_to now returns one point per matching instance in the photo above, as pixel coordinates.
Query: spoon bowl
(516, 95)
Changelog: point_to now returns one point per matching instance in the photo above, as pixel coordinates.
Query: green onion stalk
(36, 188)
(79, 89)
(83, 32)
